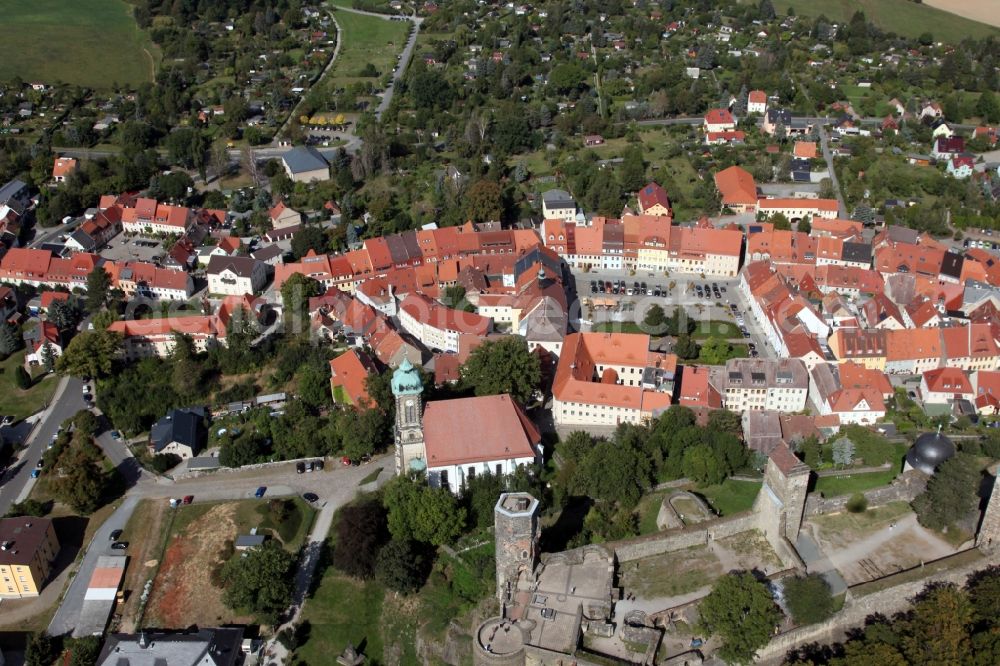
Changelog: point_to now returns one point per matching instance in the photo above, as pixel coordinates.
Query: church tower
(409, 428)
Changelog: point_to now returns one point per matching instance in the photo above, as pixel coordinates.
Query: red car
(345, 461)
(188, 499)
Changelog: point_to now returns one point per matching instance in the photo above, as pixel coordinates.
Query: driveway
(824, 141)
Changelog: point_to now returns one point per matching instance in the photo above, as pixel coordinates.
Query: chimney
(143, 641)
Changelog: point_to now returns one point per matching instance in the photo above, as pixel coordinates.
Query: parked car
(115, 534)
(115, 435)
(6, 420)
(318, 465)
(188, 499)
(119, 545)
(260, 491)
(35, 473)
(310, 497)
(300, 468)
(345, 461)
(309, 466)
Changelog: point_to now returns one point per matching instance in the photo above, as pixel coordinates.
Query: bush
(22, 378)
(162, 462)
(809, 598)
(28, 507)
(857, 503)
(401, 566)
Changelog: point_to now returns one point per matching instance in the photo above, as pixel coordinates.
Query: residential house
(986, 386)
(719, 120)
(946, 148)
(753, 384)
(942, 386)
(235, 276)
(798, 209)
(181, 432)
(851, 392)
(438, 327)
(283, 217)
(44, 343)
(62, 168)
(653, 200)
(558, 204)
(757, 102)
(961, 166)
(28, 547)
(348, 375)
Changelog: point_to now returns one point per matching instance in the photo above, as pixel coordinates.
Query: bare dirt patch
(143, 532)
(671, 574)
(183, 592)
(984, 11)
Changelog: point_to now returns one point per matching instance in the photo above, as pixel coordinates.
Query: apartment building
(753, 384)
(28, 546)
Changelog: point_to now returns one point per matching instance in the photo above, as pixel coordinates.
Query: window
(499, 469)
(472, 473)
(444, 479)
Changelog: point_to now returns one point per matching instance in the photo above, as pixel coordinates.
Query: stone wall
(904, 488)
(673, 540)
(887, 602)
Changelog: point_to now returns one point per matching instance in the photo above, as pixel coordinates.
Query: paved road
(335, 486)
(17, 481)
(824, 142)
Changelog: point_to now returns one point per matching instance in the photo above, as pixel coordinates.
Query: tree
(22, 378)
(780, 221)
(655, 319)
(420, 513)
(41, 650)
(64, 315)
(28, 507)
(10, 342)
(805, 225)
(454, 297)
(808, 597)
(715, 351)
(503, 366)
(295, 295)
(401, 567)
(48, 357)
(81, 480)
(484, 201)
(261, 582)
(723, 420)
(310, 237)
(988, 107)
(685, 347)
(740, 610)
(361, 532)
(766, 9)
(364, 434)
(941, 619)
(843, 451)
(633, 170)
(566, 78)
(614, 473)
(951, 493)
(84, 651)
(90, 354)
(314, 385)
(702, 465)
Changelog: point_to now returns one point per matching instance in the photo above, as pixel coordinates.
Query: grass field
(22, 404)
(342, 611)
(831, 486)
(366, 39)
(731, 496)
(900, 16)
(87, 42)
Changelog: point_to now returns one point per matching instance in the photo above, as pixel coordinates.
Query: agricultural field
(900, 16)
(93, 43)
(366, 40)
(984, 11)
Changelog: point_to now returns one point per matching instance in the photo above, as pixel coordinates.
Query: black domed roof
(930, 450)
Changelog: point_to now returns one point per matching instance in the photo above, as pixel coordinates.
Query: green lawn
(92, 43)
(366, 39)
(618, 327)
(22, 404)
(648, 510)
(720, 329)
(342, 611)
(831, 486)
(731, 496)
(900, 16)
(735, 351)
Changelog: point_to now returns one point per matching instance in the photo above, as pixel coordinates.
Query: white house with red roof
(961, 166)
(44, 337)
(757, 102)
(438, 327)
(986, 387)
(851, 392)
(941, 386)
(719, 120)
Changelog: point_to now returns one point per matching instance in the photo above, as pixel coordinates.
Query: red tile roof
(349, 372)
(502, 431)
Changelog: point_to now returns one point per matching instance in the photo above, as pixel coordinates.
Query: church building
(454, 440)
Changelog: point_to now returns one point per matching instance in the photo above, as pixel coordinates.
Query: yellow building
(28, 546)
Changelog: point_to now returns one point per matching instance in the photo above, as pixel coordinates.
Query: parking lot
(626, 299)
(137, 248)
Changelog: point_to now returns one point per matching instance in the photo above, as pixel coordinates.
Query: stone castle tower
(782, 501)
(988, 537)
(407, 388)
(516, 532)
